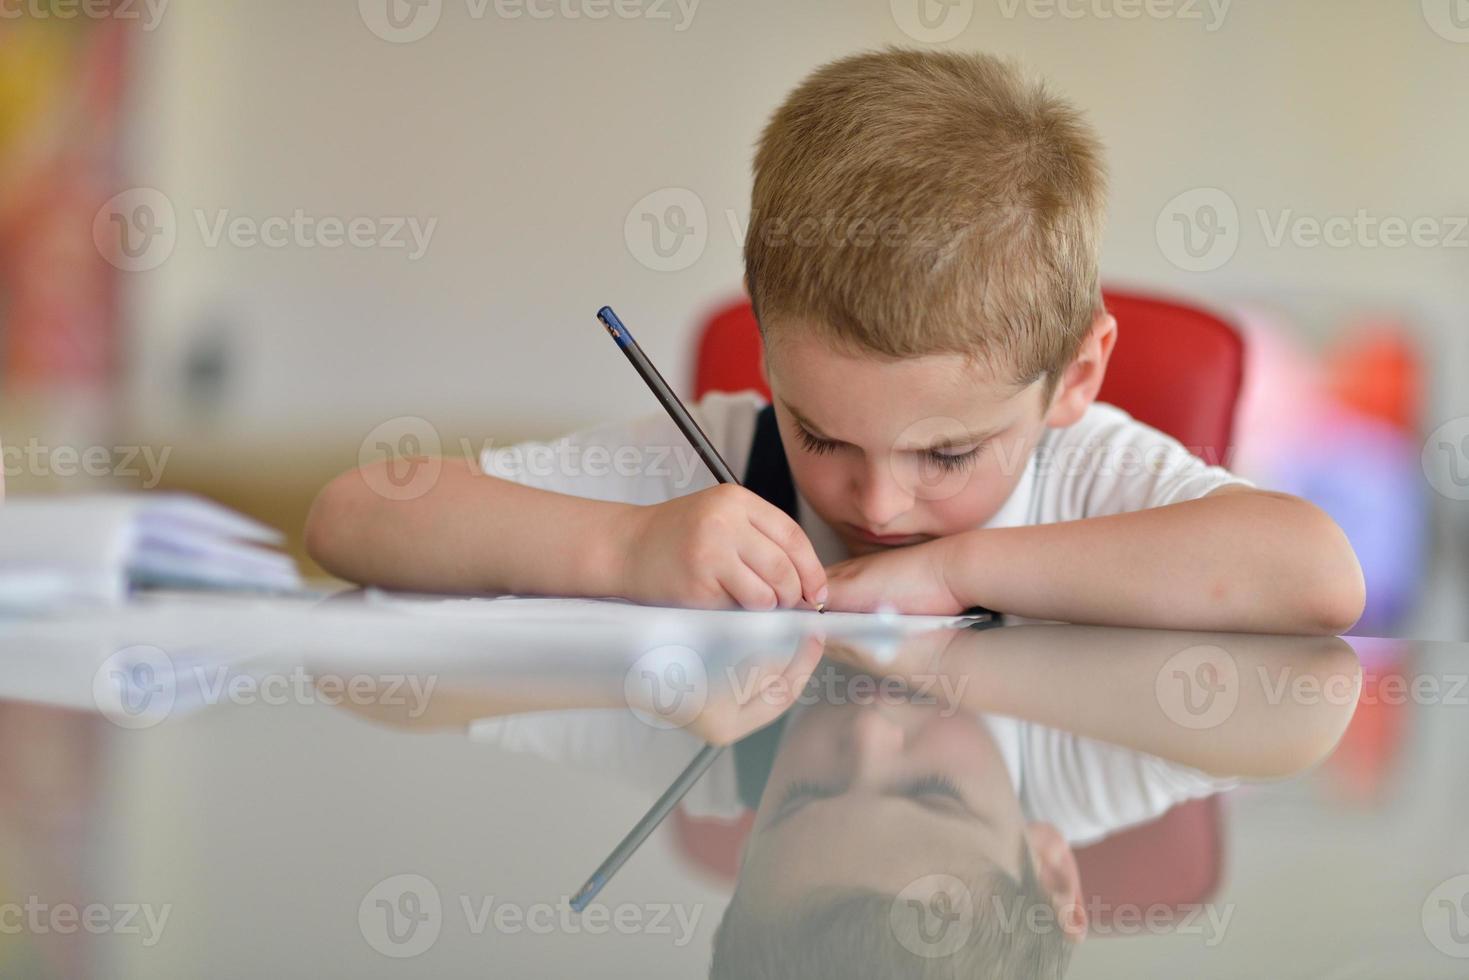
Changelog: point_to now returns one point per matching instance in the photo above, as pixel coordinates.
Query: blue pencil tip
(589, 891)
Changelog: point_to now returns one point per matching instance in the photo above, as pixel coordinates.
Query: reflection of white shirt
(1086, 788)
(1107, 463)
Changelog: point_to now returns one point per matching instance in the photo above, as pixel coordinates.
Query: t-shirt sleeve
(645, 460)
(1091, 789)
(1110, 463)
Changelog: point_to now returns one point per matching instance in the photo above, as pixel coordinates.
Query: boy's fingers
(777, 525)
(746, 588)
(773, 566)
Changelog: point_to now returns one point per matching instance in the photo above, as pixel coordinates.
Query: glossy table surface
(241, 787)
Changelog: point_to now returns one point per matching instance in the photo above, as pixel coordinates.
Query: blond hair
(920, 202)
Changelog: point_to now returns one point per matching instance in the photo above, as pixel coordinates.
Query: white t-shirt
(1107, 463)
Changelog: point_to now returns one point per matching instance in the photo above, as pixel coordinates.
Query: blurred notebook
(67, 549)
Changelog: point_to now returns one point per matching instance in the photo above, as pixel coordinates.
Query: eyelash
(933, 784)
(948, 462)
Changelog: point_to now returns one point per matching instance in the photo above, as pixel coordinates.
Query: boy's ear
(1059, 877)
(1083, 376)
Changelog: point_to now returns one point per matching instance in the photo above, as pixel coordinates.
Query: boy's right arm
(716, 548)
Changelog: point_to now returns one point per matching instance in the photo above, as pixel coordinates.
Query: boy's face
(876, 795)
(896, 452)
(881, 794)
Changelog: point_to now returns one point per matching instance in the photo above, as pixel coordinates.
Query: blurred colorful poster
(61, 98)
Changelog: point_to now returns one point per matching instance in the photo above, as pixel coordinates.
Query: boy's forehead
(830, 390)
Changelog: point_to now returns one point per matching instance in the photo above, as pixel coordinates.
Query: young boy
(922, 260)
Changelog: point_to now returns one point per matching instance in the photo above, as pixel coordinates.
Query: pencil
(681, 417)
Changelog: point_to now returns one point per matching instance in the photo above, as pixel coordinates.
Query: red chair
(1175, 367)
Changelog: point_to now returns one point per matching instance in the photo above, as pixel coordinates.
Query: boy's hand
(766, 689)
(910, 579)
(720, 547)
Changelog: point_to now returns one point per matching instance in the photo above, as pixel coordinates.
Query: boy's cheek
(973, 504)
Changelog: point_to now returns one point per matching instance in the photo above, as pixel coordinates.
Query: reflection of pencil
(646, 826)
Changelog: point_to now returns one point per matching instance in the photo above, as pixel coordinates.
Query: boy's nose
(881, 499)
(876, 741)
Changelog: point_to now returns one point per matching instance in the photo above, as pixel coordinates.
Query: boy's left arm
(1236, 559)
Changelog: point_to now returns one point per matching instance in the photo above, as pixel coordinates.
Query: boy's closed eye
(933, 791)
(946, 459)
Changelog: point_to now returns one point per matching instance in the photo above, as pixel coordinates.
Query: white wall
(529, 141)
